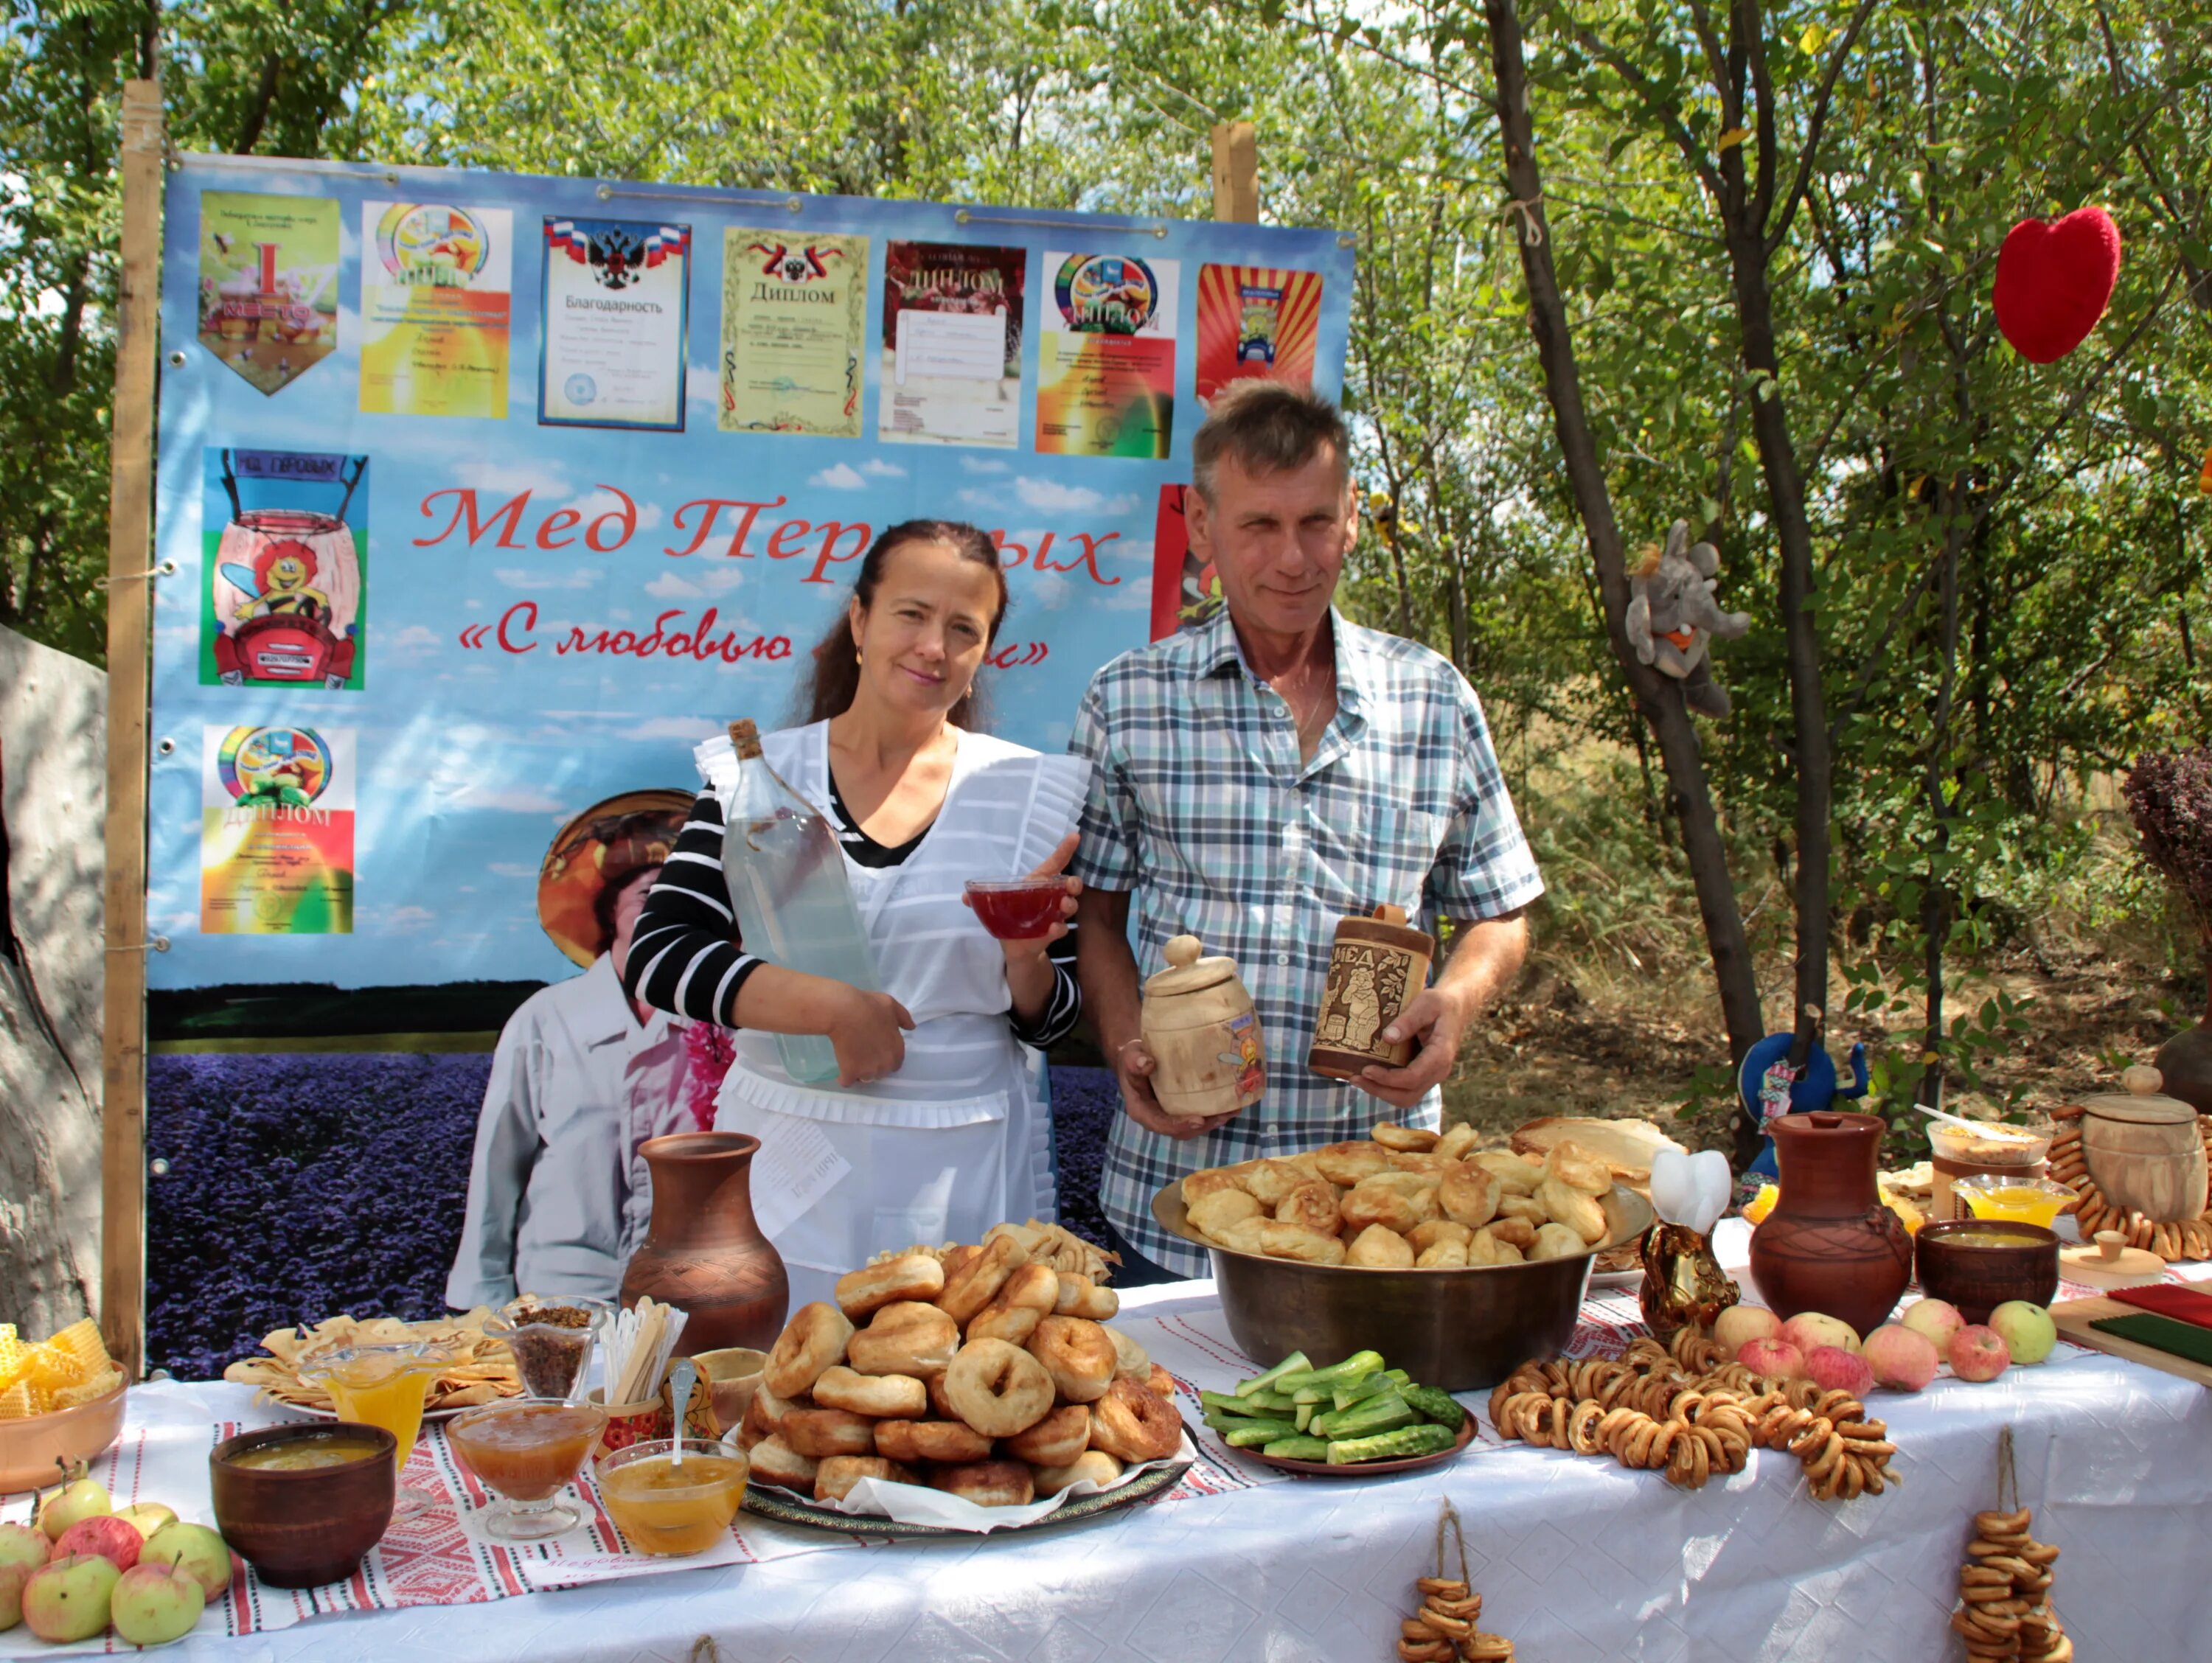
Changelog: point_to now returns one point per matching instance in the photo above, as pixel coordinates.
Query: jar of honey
(1377, 965)
(1199, 1023)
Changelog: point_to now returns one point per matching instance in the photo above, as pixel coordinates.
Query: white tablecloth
(1576, 1559)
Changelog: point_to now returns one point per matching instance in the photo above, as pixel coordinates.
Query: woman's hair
(828, 690)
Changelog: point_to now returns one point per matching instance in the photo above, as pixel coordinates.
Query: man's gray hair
(1266, 428)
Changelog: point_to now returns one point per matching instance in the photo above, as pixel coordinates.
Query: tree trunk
(1659, 700)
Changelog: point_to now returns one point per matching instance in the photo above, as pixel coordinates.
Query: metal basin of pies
(1457, 1329)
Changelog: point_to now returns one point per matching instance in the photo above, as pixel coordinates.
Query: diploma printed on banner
(268, 283)
(1106, 360)
(284, 552)
(952, 344)
(276, 822)
(794, 326)
(435, 304)
(616, 324)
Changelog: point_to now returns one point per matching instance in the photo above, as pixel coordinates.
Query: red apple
(1979, 1353)
(67, 1598)
(1739, 1324)
(106, 1534)
(12, 1578)
(1937, 1318)
(1901, 1356)
(1772, 1359)
(1835, 1369)
(1808, 1329)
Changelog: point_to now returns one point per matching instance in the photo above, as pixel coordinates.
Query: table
(1576, 1559)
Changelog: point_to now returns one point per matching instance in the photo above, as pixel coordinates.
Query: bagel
(1012, 1323)
(1080, 1296)
(1092, 1467)
(1379, 1248)
(775, 1462)
(1570, 1207)
(1515, 1176)
(1161, 1382)
(1135, 1424)
(1057, 1439)
(1132, 1360)
(1390, 1135)
(953, 1258)
(1227, 1206)
(915, 1276)
(904, 1338)
(987, 1484)
(1311, 1206)
(1347, 1163)
(1372, 1207)
(1558, 1241)
(1295, 1241)
(1077, 1354)
(997, 1388)
(819, 1434)
(1469, 1194)
(940, 1406)
(764, 1418)
(1269, 1182)
(1422, 1237)
(885, 1397)
(1576, 1168)
(931, 1441)
(834, 1478)
(1013, 1314)
(814, 1338)
(973, 1286)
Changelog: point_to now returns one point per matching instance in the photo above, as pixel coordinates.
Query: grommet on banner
(606, 193)
(167, 568)
(158, 944)
(167, 747)
(177, 358)
(1345, 240)
(158, 1167)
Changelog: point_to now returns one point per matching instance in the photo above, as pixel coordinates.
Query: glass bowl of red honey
(1017, 908)
(526, 1451)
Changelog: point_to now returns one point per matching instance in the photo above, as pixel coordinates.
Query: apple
(1979, 1353)
(1835, 1369)
(2026, 1329)
(200, 1551)
(1741, 1323)
(78, 1497)
(106, 1534)
(1772, 1359)
(147, 1517)
(1808, 1329)
(1936, 1319)
(12, 1578)
(154, 1605)
(66, 1598)
(1901, 1356)
(24, 1545)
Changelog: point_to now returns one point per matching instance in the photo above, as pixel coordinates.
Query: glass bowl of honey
(672, 1507)
(527, 1450)
(2023, 1199)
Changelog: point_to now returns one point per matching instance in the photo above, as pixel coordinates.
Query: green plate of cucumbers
(1357, 1416)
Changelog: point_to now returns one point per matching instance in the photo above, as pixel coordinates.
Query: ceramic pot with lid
(1199, 1023)
(1830, 1245)
(2145, 1149)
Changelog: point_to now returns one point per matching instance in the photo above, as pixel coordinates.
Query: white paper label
(955, 346)
(795, 1168)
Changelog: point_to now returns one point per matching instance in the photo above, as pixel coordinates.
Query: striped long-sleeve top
(685, 955)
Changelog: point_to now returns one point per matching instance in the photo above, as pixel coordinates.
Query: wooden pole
(129, 603)
(1236, 173)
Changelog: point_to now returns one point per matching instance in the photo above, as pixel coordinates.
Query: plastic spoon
(683, 1377)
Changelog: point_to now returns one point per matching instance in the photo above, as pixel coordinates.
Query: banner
(606, 495)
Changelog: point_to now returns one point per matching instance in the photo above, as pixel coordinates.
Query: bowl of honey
(2022, 1200)
(1978, 1264)
(527, 1450)
(304, 1502)
(669, 1507)
(1017, 908)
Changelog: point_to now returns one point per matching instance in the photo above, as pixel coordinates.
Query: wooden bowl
(1976, 1278)
(301, 1529)
(730, 1376)
(33, 1450)
(1457, 1329)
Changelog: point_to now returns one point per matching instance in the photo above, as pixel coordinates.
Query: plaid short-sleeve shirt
(1201, 807)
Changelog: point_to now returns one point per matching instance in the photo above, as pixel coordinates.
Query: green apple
(154, 1605)
(199, 1552)
(25, 1546)
(66, 1599)
(12, 1578)
(2026, 1329)
(147, 1517)
(79, 1497)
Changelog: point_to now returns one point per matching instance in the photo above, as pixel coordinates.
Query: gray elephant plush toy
(1672, 616)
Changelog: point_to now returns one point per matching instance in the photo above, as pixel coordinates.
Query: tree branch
(1667, 117)
(1809, 156)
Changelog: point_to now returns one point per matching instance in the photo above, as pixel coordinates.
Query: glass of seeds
(551, 1338)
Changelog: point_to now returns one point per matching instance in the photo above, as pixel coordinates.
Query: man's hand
(1433, 1021)
(1134, 1066)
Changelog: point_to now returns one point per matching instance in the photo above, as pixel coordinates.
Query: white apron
(955, 1140)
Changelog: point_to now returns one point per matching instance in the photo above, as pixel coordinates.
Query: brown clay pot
(703, 1252)
(1830, 1245)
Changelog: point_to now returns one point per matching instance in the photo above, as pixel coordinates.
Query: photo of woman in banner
(935, 1126)
(558, 1195)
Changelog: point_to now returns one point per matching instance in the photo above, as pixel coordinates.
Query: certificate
(952, 344)
(794, 321)
(435, 302)
(616, 303)
(1106, 364)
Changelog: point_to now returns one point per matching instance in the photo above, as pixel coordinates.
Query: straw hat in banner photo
(602, 845)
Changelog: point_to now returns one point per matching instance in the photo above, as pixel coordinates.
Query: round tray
(430, 1416)
(781, 1505)
(1369, 1469)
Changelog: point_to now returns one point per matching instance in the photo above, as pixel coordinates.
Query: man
(559, 1196)
(1258, 777)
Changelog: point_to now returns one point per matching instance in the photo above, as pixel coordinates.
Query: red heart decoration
(2053, 281)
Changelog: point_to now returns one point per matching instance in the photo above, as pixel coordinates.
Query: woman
(932, 1120)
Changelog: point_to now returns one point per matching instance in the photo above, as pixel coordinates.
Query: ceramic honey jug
(1830, 1245)
(1376, 966)
(1199, 1023)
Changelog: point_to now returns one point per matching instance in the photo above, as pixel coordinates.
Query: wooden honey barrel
(2145, 1149)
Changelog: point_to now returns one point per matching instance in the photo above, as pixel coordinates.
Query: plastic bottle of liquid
(787, 878)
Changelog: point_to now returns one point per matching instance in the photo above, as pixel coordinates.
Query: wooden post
(129, 603)
(1236, 173)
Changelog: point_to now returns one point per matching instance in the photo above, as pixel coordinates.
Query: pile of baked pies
(1403, 1199)
(974, 1369)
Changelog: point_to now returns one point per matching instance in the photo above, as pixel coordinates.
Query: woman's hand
(867, 1032)
(1031, 952)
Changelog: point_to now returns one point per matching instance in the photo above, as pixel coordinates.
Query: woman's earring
(859, 658)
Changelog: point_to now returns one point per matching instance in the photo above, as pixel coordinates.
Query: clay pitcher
(703, 1252)
(1830, 1245)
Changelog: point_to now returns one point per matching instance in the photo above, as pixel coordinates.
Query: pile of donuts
(974, 1370)
(2094, 1211)
(1403, 1199)
(1682, 1410)
(2004, 1612)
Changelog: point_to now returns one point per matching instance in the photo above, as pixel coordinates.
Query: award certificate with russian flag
(618, 295)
